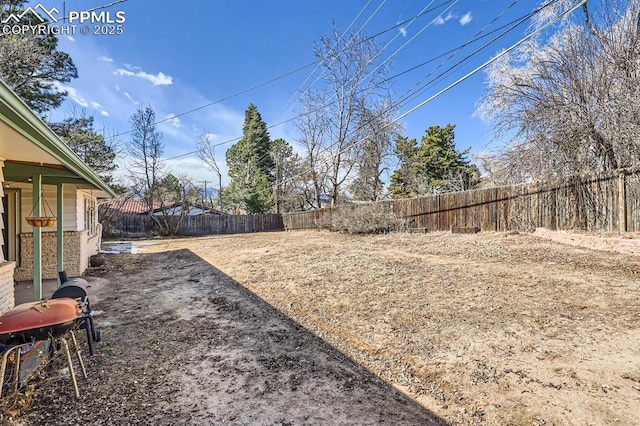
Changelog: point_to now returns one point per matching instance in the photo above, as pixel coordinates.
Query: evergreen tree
(31, 64)
(433, 166)
(251, 166)
(91, 147)
(404, 179)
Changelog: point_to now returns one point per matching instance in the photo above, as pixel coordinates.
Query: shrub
(374, 218)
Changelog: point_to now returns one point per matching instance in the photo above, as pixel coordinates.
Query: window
(90, 215)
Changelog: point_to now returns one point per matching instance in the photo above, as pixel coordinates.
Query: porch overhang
(26, 140)
(31, 152)
(52, 174)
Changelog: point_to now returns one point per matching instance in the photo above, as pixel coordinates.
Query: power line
(335, 44)
(424, 11)
(275, 78)
(492, 60)
(222, 99)
(410, 40)
(411, 92)
(452, 85)
(409, 95)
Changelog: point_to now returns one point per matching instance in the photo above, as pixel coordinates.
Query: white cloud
(105, 59)
(97, 106)
(171, 118)
(160, 79)
(466, 18)
(441, 21)
(128, 96)
(72, 93)
(211, 136)
(71, 38)
(403, 31)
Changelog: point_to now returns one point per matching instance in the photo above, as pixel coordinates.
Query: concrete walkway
(24, 290)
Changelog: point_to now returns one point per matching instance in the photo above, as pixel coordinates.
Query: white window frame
(90, 215)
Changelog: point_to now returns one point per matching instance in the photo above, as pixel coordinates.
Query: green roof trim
(17, 115)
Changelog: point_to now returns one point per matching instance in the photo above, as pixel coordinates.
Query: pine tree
(251, 166)
(432, 167)
(78, 132)
(31, 64)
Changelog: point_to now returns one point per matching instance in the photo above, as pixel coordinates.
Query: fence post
(622, 202)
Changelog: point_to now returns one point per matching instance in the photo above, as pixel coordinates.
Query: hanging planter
(42, 221)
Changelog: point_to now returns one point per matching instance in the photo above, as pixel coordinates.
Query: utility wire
(410, 40)
(425, 10)
(492, 60)
(408, 94)
(332, 47)
(449, 87)
(407, 97)
(275, 78)
(413, 92)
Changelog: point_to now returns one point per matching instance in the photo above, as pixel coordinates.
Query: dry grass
(495, 328)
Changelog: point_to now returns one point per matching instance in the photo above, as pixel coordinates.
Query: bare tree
(379, 132)
(297, 190)
(206, 152)
(145, 150)
(351, 77)
(569, 104)
(312, 126)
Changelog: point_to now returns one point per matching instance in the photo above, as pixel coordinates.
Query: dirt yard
(308, 328)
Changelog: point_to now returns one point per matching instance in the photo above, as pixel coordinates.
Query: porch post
(37, 238)
(60, 230)
(3, 244)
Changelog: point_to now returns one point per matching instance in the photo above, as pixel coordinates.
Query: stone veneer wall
(89, 249)
(76, 255)
(7, 295)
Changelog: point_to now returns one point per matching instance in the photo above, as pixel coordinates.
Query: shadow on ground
(183, 343)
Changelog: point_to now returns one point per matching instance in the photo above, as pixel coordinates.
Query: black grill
(76, 288)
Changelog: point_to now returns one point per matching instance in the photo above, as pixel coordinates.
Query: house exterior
(41, 176)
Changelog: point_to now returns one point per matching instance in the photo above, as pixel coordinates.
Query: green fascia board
(22, 172)
(17, 115)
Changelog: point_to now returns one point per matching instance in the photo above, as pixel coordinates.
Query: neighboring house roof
(176, 209)
(128, 206)
(159, 208)
(53, 153)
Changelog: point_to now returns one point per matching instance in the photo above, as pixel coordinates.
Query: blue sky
(176, 57)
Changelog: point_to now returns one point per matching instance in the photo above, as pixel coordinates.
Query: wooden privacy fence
(130, 225)
(609, 203)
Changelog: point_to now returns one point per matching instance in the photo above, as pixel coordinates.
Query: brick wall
(76, 255)
(7, 297)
